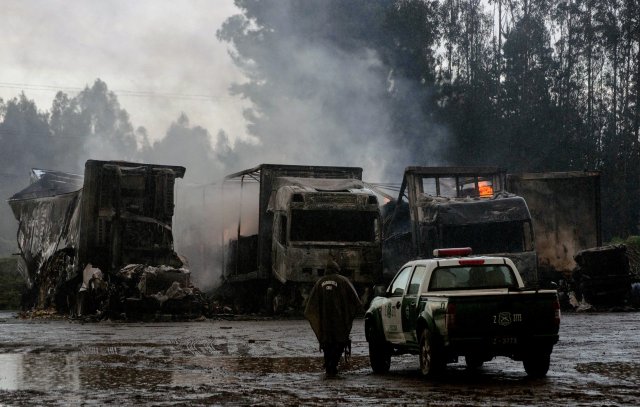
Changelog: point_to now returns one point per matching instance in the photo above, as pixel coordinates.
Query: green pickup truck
(456, 305)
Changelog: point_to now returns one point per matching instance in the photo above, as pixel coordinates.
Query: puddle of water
(46, 372)
(81, 371)
(9, 371)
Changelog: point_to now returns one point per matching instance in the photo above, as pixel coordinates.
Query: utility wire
(53, 136)
(118, 92)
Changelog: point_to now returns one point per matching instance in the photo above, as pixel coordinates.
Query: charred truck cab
(307, 216)
(440, 207)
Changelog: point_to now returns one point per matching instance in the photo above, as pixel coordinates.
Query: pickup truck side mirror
(379, 291)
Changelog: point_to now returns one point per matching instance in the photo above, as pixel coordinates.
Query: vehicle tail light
(556, 308)
(450, 316)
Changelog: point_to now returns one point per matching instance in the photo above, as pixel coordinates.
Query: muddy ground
(277, 362)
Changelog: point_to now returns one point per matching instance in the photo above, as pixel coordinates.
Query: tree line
(550, 85)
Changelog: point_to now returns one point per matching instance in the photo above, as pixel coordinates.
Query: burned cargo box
(48, 212)
(127, 212)
(77, 234)
(565, 208)
(602, 276)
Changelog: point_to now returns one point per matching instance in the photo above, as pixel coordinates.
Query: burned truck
(565, 207)
(306, 216)
(441, 207)
(102, 243)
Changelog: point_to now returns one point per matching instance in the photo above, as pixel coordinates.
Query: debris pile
(602, 276)
(142, 291)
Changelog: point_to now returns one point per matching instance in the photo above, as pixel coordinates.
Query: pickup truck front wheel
(379, 357)
(430, 360)
(537, 364)
(379, 353)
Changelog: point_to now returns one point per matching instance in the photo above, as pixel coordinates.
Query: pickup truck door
(410, 304)
(391, 307)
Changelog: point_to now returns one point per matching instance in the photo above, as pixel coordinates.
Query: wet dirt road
(268, 362)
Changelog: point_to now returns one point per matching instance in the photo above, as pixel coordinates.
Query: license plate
(505, 340)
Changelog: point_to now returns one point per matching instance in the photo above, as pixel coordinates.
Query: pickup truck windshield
(333, 226)
(472, 277)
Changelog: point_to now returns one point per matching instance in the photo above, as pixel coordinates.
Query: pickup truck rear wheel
(473, 362)
(537, 364)
(430, 361)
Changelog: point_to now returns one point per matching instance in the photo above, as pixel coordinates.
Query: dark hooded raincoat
(331, 308)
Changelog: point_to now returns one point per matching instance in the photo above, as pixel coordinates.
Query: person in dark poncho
(331, 308)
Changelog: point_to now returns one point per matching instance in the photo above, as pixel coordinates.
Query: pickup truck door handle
(398, 304)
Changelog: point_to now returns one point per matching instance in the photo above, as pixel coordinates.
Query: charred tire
(379, 353)
(473, 361)
(537, 364)
(268, 301)
(277, 304)
(430, 358)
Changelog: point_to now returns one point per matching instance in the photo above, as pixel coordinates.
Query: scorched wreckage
(102, 244)
(306, 216)
(455, 207)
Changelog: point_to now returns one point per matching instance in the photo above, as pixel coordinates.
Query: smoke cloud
(317, 94)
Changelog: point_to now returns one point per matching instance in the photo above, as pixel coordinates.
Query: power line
(119, 92)
(48, 133)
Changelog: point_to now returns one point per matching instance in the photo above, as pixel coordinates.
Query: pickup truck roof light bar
(452, 252)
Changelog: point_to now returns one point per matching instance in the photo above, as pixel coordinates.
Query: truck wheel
(277, 304)
(430, 361)
(379, 357)
(537, 364)
(379, 352)
(473, 362)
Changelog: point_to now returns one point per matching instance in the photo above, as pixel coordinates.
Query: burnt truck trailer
(566, 212)
(565, 208)
(102, 242)
(440, 207)
(306, 217)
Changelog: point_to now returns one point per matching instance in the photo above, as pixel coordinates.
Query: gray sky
(160, 57)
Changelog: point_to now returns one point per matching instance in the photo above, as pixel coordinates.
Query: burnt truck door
(410, 304)
(429, 239)
(392, 307)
